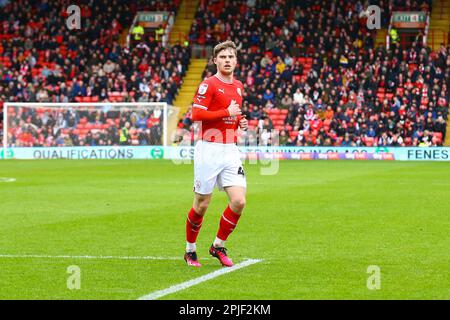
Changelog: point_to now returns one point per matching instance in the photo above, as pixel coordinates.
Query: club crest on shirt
(202, 89)
(239, 91)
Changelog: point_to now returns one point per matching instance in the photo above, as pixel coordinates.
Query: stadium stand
(312, 71)
(44, 62)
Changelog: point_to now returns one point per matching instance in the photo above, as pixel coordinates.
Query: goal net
(87, 124)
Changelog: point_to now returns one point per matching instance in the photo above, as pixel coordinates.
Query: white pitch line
(38, 256)
(184, 285)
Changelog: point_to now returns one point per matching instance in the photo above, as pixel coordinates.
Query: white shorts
(217, 164)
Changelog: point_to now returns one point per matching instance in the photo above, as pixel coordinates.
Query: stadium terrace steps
(439, 23)
(190, 83)
(381, 37)
(447, 134)
(123, 37)
(183, 21)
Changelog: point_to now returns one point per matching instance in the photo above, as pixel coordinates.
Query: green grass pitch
(317, 225)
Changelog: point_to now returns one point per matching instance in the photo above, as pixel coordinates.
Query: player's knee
(238, 204)
(201, 206)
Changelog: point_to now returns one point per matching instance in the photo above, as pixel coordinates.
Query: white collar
(222, 79)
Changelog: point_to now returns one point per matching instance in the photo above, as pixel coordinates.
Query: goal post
(52, 124)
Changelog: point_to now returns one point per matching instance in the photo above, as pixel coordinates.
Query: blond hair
(223, 46)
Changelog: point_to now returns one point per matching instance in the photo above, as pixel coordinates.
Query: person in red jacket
(217, 108)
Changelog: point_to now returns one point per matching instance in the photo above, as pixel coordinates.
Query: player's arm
(200, 114)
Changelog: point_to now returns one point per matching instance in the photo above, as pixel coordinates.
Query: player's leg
(232, 180)
(232, 213)
(193, 224)
(195, 219)
(228, 222)
(206, 171)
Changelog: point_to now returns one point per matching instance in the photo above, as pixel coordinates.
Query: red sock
(193, 225)
(228, 222)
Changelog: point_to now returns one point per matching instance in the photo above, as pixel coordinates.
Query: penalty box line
(190, 283)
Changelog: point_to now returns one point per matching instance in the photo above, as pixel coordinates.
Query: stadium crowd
(312, 71)
(48, 127)
(41, 60)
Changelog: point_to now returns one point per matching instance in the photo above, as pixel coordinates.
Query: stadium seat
(274, 111)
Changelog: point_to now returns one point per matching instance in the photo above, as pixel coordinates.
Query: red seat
(116, 98)
(275, 117)
(274, 111)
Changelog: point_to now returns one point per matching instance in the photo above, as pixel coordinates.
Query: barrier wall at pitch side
(186, 153)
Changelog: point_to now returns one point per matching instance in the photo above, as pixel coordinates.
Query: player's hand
(233, 109)
(243, 123)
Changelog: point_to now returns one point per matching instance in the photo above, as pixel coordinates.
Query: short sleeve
(203, 96)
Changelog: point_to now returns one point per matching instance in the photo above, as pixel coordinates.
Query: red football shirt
(215, 94)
